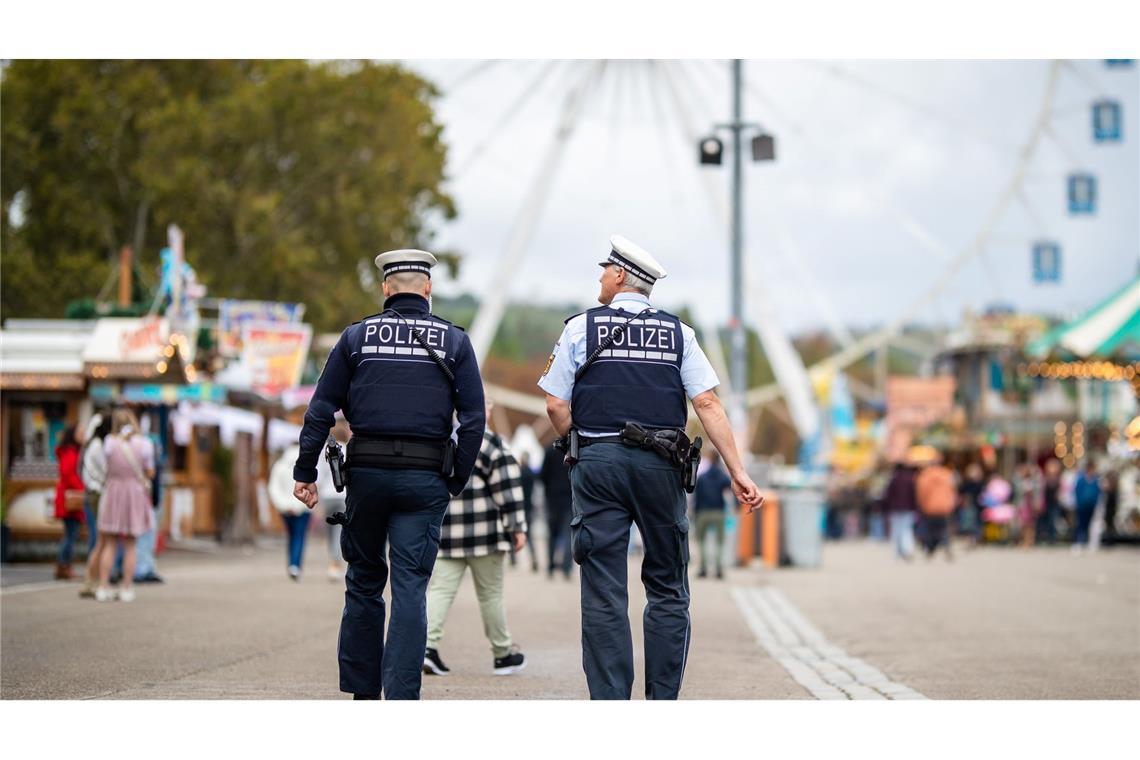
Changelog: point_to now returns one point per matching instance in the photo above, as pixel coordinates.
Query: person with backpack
(482, 524)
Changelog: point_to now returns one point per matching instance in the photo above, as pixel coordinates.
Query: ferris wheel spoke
(468, 76)
(513, 110)
(491, 310)
(1088, 80)
(937, 115)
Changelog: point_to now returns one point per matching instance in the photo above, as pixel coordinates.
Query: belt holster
(569, 446)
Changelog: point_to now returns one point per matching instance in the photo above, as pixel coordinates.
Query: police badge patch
(550, 361)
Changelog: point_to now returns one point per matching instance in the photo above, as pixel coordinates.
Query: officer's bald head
(407, 282)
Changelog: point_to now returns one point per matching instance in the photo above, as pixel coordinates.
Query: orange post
(758, 533)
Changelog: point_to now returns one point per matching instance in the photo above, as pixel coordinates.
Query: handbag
(73, 500)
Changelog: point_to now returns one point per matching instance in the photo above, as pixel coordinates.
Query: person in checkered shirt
(482, 524)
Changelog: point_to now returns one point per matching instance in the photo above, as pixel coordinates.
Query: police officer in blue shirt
(399, 377)
(619, 363)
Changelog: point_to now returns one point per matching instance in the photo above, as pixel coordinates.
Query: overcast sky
(865, 172)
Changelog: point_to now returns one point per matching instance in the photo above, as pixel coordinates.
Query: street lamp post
(711, 151)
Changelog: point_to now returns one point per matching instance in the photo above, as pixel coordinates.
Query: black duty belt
(585, 440)
(401, 453)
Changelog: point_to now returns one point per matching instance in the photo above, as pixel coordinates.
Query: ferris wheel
(656, 119)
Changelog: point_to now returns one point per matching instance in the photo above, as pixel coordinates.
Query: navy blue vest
(396, 387)
(637, 379)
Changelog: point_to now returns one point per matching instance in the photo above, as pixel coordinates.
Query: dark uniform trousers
(613, 486)
(397, 513)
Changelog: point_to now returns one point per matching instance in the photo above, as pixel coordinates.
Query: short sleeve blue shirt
(569, 354)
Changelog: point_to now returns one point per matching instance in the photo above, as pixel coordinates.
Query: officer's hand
(306, 493)
(746, 492)
(520, 541)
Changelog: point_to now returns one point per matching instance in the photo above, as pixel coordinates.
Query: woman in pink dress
(125, 510)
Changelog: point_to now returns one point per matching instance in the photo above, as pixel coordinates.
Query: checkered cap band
(405, 266)
(629, 266)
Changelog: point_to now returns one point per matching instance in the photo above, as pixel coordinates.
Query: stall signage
(275, 355)
(234, 315)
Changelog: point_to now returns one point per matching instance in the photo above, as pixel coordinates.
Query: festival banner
(234, 315)
(275, 354)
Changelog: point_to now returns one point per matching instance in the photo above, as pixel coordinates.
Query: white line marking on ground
(23, 588)
(825, 670)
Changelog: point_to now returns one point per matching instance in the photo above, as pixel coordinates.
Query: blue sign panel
(1046, 262)
(1106, 121)
(1082, 194)
(1119, 63)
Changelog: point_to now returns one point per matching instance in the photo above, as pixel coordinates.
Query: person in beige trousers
(482, 524)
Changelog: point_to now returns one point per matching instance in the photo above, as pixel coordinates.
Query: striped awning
(1109, 329)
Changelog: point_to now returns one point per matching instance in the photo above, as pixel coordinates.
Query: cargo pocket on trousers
(681, 531)
(580, 540)
(431, 548)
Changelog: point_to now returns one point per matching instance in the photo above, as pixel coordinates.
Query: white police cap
(405, 260)
(634, 259)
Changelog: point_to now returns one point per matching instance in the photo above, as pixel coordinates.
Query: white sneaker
(127, 595)
(104, 595)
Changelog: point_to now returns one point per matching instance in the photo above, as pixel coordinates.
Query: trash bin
(802, 518)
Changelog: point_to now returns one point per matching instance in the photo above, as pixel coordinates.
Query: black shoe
(115, 579)
(150, 578)
(512, 663)
(719, 574)
(365, 696)
(433, 663)
(702, 574)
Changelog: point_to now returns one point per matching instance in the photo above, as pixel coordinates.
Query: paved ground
(996, 623)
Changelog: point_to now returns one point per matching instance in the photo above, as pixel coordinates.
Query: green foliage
(287, 177)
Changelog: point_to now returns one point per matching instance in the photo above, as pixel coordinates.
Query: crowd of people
(924, 500)
(109, 482)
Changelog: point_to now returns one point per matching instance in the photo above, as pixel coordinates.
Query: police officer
(399, 377)
(642, 375)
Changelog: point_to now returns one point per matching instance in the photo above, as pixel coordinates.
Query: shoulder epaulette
(572, 316)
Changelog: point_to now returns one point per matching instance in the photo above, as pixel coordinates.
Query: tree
(287, 177)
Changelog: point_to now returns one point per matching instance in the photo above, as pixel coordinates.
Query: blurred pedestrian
(876, 502)
(125, 509)
(997, 511)
(1111, 503)
(332, 502)
(527, 479)
(69, 493)
(937, 496)
(93, 471)
(555, 477)
(293, 513)
(483, 523)
(146, 570)
(709, 509)
(1029, 497)
(1050, 502)
(969, 506)
(1086, 495)
(901, 504)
